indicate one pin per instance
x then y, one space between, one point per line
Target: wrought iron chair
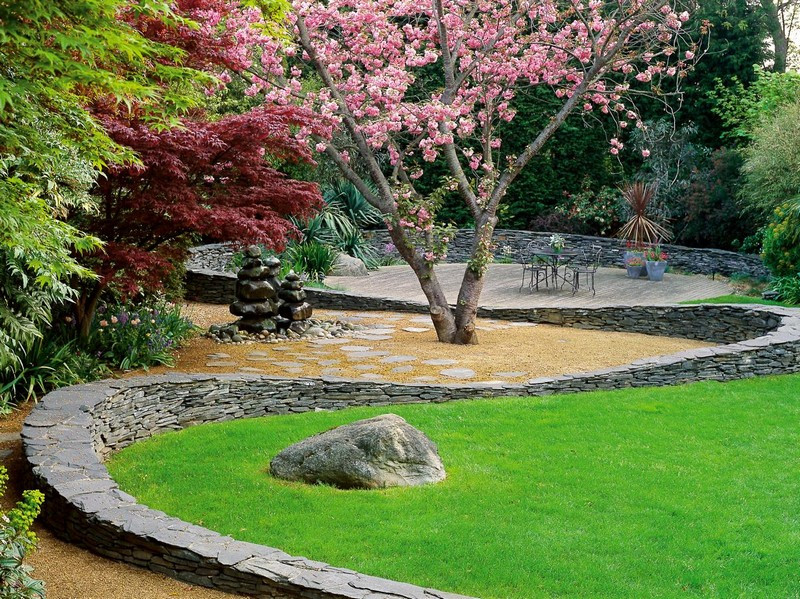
587 267
539 271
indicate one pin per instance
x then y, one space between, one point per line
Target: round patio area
502 287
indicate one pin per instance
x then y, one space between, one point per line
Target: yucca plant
355 245
640 228
348 200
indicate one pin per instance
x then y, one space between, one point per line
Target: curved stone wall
705 261
69 433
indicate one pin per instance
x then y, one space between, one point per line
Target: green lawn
739 299
666 492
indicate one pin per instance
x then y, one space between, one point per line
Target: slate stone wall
208 281
69 433
695 260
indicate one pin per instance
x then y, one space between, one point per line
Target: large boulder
379 452
348 266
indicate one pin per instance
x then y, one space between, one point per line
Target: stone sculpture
256 293
293 299
379 452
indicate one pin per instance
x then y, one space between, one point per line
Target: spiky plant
640 228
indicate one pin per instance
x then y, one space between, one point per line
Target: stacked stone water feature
263 303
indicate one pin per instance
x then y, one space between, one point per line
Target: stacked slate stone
257 289
294 309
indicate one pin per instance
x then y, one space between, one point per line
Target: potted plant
656 263
634 265
557 243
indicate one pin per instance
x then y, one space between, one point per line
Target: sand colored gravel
506 351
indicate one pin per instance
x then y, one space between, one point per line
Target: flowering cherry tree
402 83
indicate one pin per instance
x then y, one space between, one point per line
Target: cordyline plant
640 228
373 63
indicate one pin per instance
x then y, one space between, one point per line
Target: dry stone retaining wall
72 430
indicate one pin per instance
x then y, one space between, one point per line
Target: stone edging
69 433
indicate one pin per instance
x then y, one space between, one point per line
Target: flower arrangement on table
557 242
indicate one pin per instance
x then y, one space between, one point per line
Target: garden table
555 260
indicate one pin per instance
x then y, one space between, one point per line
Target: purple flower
122 317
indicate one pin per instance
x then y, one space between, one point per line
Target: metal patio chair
539 271
587 266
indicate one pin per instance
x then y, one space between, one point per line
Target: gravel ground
504 349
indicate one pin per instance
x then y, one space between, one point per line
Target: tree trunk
441 313
85 308
777 33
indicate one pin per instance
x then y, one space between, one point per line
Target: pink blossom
645 153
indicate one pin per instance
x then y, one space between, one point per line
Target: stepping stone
367 337
289 364
218 356
523 324
5 453
257 353
395 359
221 364
321 353
331 371
329 341
424 379
393 318
380 331
422 319
258 359
416 329
328 362
355 348
9 437
373 376
361 355
306 358
458 373
249 369
440 362
365 367
366 315
509 375
293 370
282 349
402 369
563 341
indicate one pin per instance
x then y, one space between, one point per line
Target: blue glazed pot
655 270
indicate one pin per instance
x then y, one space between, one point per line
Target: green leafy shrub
138 336
314 259
16 541
594 212
781 244
50 363
788 288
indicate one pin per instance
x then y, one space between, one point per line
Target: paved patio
503 282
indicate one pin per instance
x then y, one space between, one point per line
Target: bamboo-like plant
640 228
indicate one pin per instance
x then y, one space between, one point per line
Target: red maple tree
216 179
207 178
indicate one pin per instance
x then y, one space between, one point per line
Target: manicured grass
739 299
670 492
